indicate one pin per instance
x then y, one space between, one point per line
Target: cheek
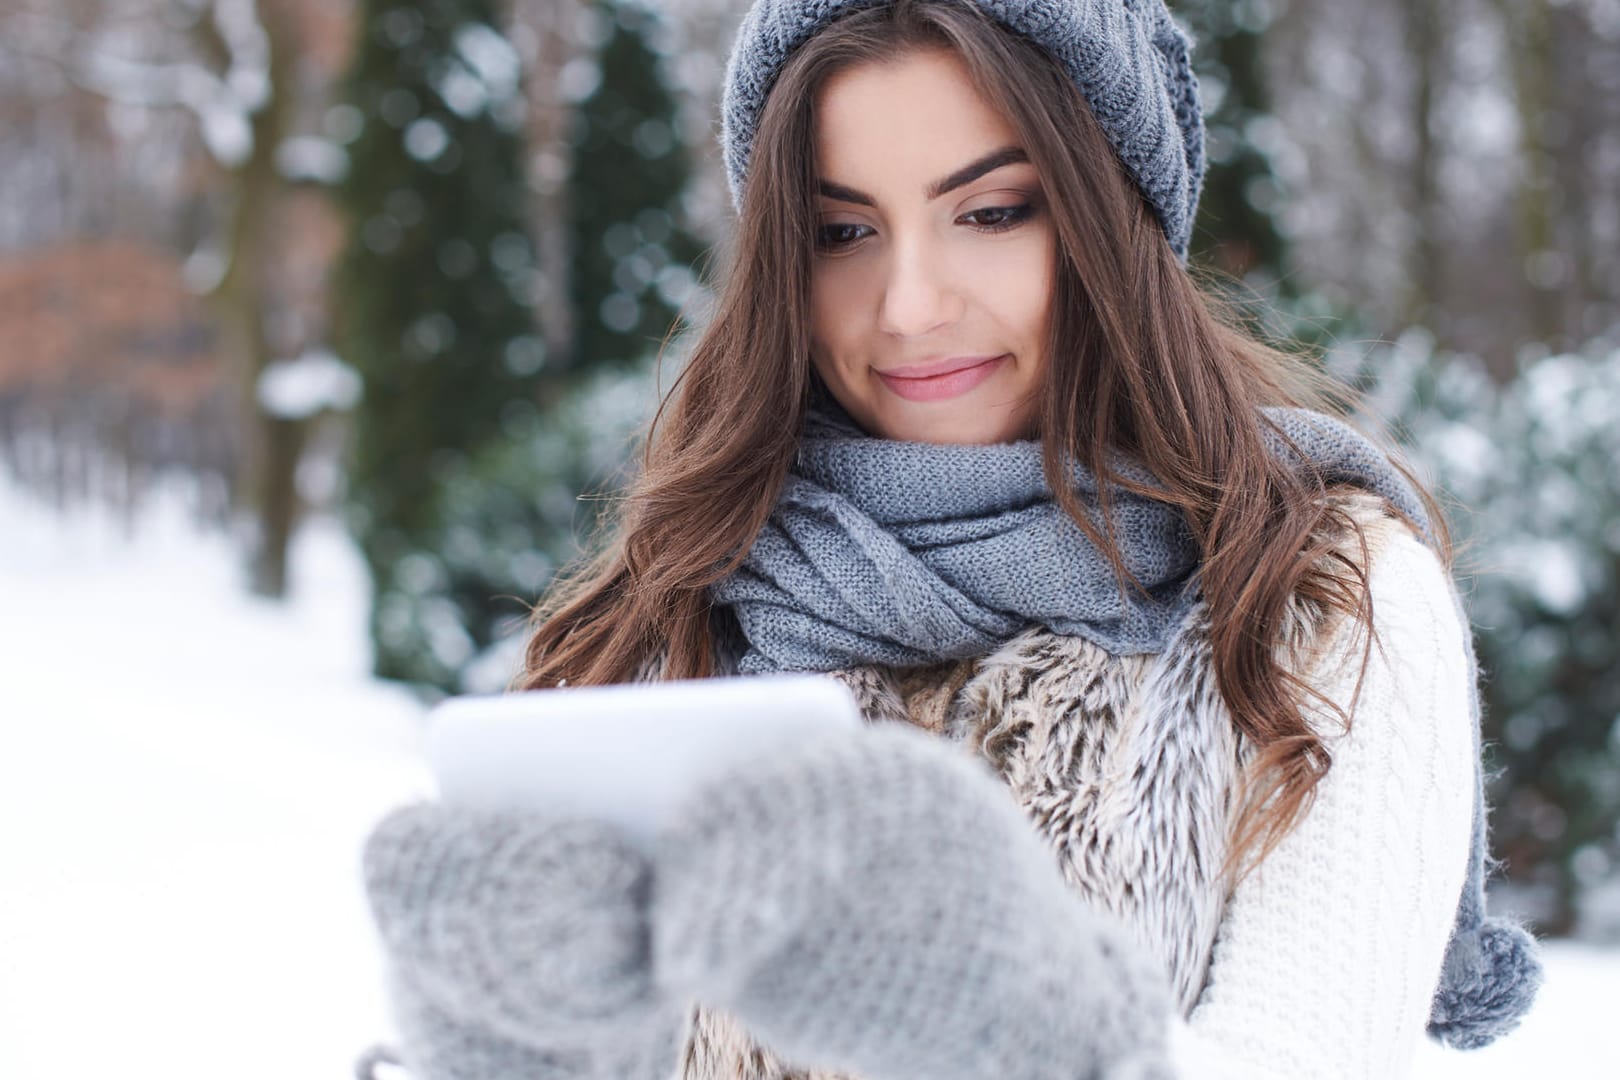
841 333
1009 281
836 304
825 351
1015 283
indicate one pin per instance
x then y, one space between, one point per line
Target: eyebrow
968 173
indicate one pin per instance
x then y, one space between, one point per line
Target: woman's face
932 279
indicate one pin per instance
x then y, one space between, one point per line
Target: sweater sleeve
1329 952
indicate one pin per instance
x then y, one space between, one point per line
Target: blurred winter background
317 318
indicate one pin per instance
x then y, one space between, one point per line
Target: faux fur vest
1126 764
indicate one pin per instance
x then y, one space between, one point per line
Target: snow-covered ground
187 777
186 780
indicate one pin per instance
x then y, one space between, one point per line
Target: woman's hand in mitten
518 945
875 902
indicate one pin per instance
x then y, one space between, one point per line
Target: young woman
964 432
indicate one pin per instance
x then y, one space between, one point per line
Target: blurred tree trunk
1236 230
1585 157
266 481
1426 277
1528 27
555 35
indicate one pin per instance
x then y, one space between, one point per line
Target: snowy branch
222 103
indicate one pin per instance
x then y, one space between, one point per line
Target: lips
940 379
930 368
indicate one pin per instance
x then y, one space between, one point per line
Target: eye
834 236
1000 218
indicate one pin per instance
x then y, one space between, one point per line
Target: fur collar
1127 765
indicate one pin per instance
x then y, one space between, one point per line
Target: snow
579 79
1565 1034
311 382
489 72
1553 571
223 107
203 270
312 158
426 139
491 56
189 774
226 131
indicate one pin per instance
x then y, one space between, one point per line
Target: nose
917 295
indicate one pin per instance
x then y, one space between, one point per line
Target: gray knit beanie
1128 57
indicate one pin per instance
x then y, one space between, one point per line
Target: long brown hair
1144 362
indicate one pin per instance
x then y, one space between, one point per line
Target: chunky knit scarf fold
904 554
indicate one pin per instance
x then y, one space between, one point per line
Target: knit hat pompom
1128 57
1491 976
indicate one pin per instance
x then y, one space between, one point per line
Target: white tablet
627 753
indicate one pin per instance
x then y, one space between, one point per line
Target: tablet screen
624 753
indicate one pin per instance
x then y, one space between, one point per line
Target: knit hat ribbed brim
1128 57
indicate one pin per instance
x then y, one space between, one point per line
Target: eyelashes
837 236
1010 217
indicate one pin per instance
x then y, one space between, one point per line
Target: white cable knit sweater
1322 963
1328 955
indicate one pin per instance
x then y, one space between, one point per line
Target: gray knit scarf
903 553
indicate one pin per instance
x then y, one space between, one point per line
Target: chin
963 424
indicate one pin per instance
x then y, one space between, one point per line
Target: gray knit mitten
874 902
518 946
